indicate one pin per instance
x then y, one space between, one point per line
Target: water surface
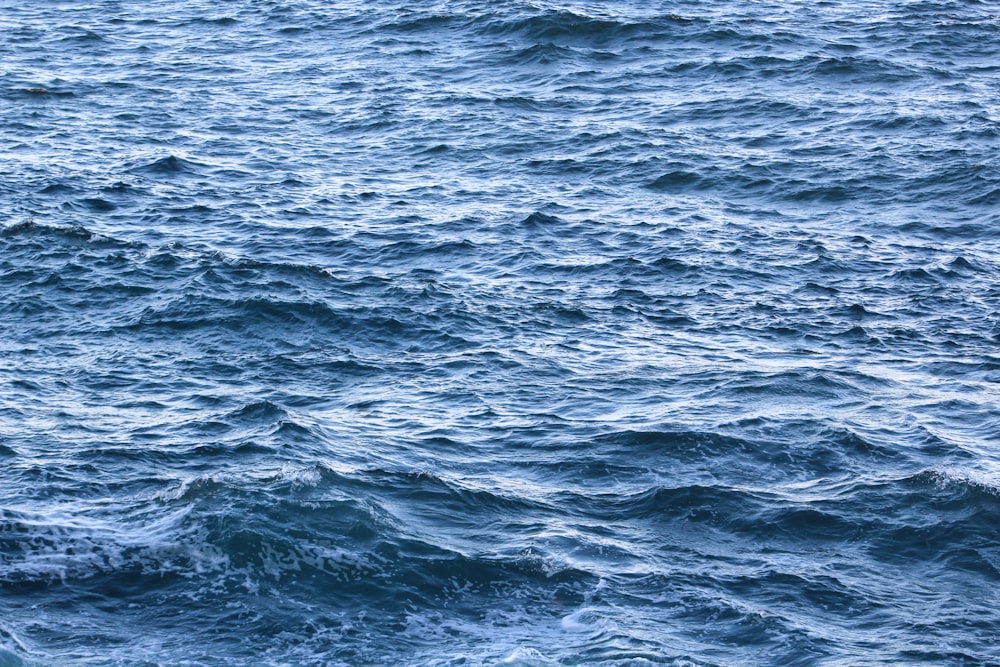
526 333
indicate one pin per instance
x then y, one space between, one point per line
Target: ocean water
510 333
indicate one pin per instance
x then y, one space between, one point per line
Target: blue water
508 333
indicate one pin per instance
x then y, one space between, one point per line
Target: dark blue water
520 333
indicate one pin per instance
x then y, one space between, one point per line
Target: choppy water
520 333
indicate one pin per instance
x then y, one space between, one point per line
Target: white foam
581 620
526 657
301 477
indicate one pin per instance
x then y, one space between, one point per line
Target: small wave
257 412
676 181
97 205
418 22
457 501
224 21
860 68
914 275
57 188
84 35
565 26
717 505
542 222
539 54
29 228
167 165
